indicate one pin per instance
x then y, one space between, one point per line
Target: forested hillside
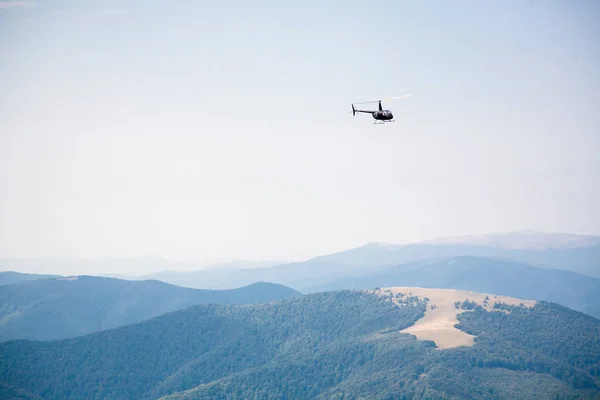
49 309
337 345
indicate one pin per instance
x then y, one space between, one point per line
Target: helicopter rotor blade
368 102
398 97
388 99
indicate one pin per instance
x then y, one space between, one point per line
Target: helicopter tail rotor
353 110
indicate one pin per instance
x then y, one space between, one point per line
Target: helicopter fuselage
383 115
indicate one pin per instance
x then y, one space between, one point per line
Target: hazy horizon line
209 262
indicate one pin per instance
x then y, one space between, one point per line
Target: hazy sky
221 129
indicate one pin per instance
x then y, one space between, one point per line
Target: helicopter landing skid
383 122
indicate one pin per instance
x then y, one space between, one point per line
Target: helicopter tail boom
354 111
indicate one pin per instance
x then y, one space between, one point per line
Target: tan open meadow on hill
441 315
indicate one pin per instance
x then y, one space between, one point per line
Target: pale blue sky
221 129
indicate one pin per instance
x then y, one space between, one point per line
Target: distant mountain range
335 345
137 267
58 308
583 259
523 240
571 252
575 253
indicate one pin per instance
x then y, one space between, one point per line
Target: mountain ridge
50 309
487 275
10 277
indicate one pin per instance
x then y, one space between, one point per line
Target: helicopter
381 116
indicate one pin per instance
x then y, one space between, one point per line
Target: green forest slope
337 345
